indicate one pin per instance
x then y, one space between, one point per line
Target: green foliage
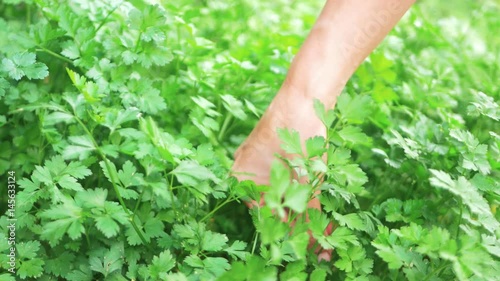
24 64
120 119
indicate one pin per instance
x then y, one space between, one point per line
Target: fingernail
324 256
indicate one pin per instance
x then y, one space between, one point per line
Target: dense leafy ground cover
119 120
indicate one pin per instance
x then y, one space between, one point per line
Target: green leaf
350 173
237 250
290 141
294 272
354 110
69 182
162 263
254 269
338 156
4 85
70 50
297 196
354 260
205 154
80 146
351 221
382 94
299 243
484 105
271 228
315 146
473 155
234 106
151 102
61 265
91 198
383 67
193 261
65 218
190 173
24 64
213 266
31 268
252 108
279 182
116 117
151 129
128 175
469 195
326 116
155 55
109 261
84 273
43 175
152 228
318 275
7 277
354 135
213 242
391 257
318 222
216 266
435 241
342 237
109 171
387 248
28 250
89 89
107 226
58 117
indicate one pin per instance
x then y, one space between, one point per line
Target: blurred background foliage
205 71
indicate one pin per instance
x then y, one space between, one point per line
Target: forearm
343 36
345 33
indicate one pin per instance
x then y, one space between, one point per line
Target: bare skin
345 33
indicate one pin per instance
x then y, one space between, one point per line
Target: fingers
252 204
258 171
325 255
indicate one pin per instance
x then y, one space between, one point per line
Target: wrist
293 108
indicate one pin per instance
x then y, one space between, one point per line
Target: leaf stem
137 42
107 16
228 200
433 273
171 191
339 120
113 182
106 163
459 219
255 242
138 202
87 238
222 131
45 50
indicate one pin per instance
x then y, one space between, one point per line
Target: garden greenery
120 119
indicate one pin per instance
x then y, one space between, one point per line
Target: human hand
254 157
